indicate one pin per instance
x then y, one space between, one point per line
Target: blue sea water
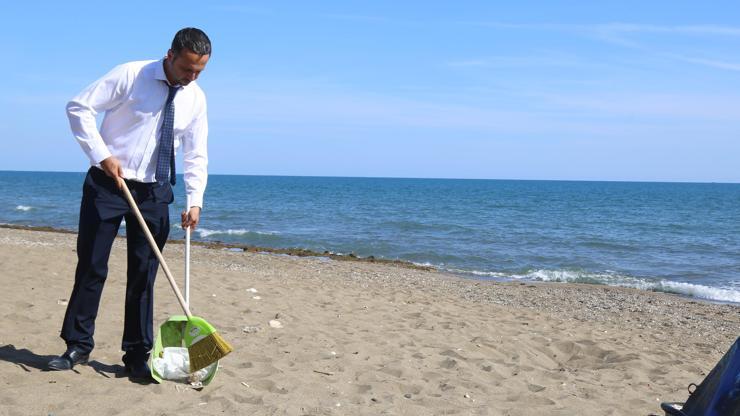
674 237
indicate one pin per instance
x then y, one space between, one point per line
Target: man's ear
170 55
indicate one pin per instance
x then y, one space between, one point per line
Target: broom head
205 345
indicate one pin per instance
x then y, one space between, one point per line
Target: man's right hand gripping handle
112 167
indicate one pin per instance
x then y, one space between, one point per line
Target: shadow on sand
28 360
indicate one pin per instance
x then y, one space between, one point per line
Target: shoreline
622 298
361 338
300 252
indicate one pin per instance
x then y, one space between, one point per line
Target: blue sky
470 89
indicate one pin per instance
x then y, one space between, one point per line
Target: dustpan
175 332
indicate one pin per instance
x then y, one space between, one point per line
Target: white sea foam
478 273
700 291
204 232
717 294
23 208
616 279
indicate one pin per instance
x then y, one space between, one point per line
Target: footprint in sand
448 363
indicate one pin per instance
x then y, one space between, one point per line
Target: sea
681 238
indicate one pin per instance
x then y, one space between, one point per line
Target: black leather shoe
68 360
137 369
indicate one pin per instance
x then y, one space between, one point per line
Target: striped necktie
166 154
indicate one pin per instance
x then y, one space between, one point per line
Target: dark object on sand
718 394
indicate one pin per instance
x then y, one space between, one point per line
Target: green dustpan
179 331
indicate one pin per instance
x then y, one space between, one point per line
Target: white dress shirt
132 96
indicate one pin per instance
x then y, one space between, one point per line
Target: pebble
256 297
251 329
252 290
274 323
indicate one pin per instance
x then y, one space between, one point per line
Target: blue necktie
166 155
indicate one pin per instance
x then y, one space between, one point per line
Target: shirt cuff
196 200
99 154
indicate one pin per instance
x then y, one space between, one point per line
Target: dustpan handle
187 254
155 248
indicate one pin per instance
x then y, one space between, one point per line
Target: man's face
185 66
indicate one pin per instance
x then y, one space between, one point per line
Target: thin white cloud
626 35
356 17
713 63
701 30
617 27
531 60
658 107
239 8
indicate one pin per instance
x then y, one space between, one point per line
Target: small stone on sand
274 323
251 329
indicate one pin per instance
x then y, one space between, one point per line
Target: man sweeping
151 108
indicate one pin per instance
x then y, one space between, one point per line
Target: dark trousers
102 208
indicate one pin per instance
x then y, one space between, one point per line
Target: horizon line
423 178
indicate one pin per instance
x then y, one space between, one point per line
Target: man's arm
195 158
101 95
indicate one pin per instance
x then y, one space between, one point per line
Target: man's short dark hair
192 39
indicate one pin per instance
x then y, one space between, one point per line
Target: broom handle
187 254
155 248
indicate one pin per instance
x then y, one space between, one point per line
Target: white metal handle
187 254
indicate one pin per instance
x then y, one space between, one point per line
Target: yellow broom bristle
207 351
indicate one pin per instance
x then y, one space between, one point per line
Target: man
151 108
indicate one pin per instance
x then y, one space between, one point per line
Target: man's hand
112 167
191 218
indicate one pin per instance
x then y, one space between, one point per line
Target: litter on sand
175 364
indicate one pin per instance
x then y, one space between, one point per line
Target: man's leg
101 212
138 336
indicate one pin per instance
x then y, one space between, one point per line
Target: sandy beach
359 338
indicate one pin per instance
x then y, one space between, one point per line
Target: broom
205 345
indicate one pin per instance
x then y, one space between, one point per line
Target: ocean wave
23 208
616 279
204 232
477 272
716 294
